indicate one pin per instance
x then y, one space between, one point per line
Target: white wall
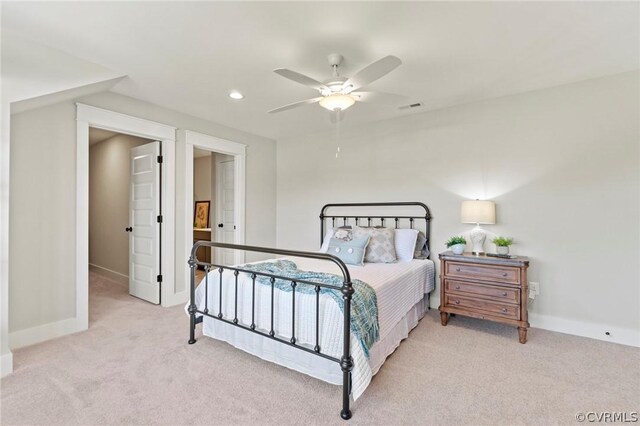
109 186
43 157
562 165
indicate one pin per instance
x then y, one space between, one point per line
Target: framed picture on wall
201 214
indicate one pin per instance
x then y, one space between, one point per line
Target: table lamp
478 212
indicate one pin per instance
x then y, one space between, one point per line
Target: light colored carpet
134 366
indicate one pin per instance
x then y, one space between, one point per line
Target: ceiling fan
339 93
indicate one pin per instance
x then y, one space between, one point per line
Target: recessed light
234 94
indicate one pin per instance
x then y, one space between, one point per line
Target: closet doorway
124 213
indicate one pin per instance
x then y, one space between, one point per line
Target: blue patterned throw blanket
364 315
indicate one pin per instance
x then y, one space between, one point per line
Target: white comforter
398 287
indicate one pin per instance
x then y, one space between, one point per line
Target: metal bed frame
346 361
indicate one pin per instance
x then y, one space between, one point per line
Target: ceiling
99 135
187 56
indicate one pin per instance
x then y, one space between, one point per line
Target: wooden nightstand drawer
503 294
502 274
494 308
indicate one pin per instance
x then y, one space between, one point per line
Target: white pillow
405 243
327 239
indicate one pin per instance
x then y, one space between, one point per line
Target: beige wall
42 217
202 181
109 180
562 165
43 199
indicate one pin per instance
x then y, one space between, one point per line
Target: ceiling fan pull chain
337 138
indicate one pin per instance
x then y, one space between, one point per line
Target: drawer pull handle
504 294
504 310
457 269
457 302
504 274
457 287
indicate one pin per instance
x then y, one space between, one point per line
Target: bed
306 321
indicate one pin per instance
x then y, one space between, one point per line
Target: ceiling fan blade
296 105
301 78
380 98
372 72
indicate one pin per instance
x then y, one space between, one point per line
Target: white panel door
225 197
144 229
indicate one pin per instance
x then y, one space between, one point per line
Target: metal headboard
397 219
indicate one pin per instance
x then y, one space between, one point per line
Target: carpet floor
134 366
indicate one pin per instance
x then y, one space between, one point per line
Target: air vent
415 105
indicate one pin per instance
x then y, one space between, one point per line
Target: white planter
457 249
502 250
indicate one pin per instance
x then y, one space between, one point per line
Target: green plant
502 241
455 240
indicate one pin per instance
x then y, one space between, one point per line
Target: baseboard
6 364
31 336
434 300
108 273
623 336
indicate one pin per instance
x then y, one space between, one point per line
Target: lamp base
478 235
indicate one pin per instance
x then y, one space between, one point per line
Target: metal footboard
345 362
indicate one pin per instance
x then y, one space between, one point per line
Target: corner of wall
6 364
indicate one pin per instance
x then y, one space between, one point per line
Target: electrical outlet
535 287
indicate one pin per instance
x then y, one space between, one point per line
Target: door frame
221 146
90 116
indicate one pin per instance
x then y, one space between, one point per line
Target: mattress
400 289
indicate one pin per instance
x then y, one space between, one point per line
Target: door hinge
159 278
159 219
160 159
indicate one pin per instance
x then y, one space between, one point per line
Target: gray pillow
381 248
421 251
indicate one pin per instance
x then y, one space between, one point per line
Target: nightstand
484 287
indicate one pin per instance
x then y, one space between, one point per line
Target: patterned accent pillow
344 233
381 248
330 234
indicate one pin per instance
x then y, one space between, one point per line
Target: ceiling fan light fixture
338 102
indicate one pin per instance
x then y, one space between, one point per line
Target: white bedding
400 289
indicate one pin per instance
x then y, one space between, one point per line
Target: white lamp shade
337 102
478 211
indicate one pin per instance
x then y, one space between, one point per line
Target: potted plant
502 244
456 244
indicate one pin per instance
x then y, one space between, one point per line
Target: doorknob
220 225
129 229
